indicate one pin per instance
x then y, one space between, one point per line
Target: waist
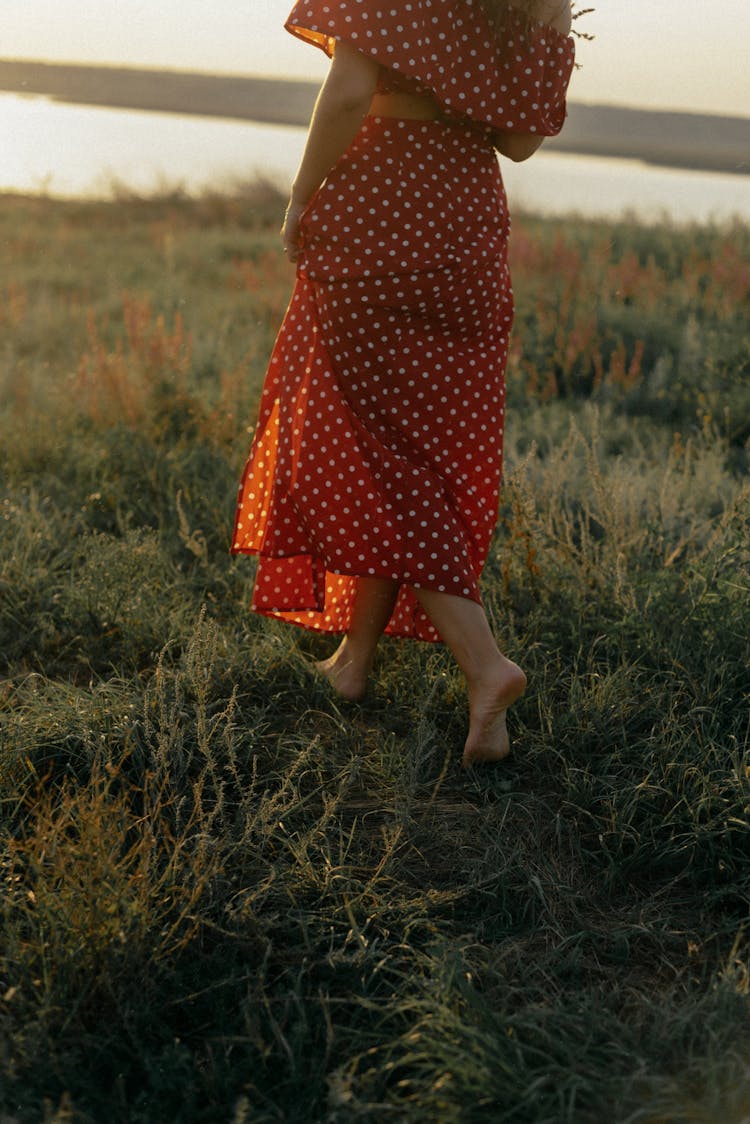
414 107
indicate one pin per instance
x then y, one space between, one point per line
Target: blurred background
658 123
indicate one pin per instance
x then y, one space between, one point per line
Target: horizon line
313 82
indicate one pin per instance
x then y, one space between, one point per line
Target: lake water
81 151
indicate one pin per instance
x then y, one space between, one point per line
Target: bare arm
339 112
520 146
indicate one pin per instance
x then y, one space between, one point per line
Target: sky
655 54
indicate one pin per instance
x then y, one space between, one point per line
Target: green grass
226 896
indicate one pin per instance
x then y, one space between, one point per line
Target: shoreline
689 141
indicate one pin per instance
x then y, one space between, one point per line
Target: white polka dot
384 395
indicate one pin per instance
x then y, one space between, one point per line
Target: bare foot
489 699
347 675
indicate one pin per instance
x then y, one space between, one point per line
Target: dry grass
228 897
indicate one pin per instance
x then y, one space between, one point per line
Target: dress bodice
515 80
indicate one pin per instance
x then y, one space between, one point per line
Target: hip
408 194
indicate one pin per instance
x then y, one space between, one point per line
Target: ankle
346 673
355 653
498 675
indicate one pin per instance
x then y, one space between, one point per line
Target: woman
370 494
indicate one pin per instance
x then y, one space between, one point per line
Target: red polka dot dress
378 448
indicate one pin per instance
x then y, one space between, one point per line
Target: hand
516 146
290 231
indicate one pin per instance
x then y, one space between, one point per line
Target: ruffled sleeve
517 82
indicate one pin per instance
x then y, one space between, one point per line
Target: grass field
227 897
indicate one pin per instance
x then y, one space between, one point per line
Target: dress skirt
378 448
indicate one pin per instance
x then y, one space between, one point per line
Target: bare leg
349 667
493 681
